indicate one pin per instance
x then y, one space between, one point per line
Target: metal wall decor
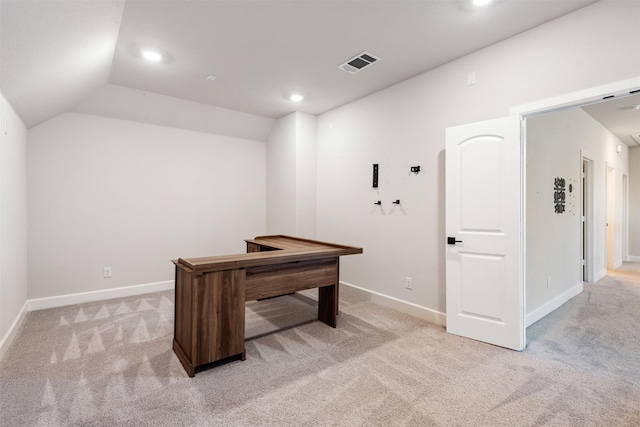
375 175
559 195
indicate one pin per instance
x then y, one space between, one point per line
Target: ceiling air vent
358 62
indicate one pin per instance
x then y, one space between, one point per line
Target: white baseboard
79 298
600 275
104 294
633 258
617 264
13 329
552 305
412 309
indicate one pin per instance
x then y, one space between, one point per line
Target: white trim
552 305
522 259
409 308
633 258
617 264
578 98
600 275
609 214
625 216
412 309
104 294
13 329
588 214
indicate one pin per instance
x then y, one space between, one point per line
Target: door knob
453 241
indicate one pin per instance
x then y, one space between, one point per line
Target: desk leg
328 304
328 297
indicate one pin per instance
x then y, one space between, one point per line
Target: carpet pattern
111 363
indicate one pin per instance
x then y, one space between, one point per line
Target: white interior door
484 209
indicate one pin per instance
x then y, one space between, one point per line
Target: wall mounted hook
397 202
379 203
415 169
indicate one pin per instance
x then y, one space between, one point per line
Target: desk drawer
281 279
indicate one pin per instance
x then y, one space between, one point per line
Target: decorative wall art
559 196
571 197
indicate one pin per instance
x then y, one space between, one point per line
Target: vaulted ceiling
54 54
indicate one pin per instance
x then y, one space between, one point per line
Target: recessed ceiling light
296 97
211 77
150 55
632 108
481 2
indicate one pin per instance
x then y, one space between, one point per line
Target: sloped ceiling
57 53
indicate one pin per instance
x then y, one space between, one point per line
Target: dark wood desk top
287 249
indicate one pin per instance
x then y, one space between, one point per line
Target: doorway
610 216
625 217
550 280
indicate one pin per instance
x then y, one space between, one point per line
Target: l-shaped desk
210 292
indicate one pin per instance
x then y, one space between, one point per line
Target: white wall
281 177
404 126
112 193
13 220
306 174
555 145
634 204
291 176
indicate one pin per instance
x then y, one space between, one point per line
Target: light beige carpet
110 363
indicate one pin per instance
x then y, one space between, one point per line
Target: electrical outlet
471 78
107 272
408 282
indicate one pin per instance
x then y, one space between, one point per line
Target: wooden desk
210 292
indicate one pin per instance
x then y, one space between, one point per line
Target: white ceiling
56 53
616 116
263 50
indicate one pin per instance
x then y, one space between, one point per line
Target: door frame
579 98
586 210
610 215
625 217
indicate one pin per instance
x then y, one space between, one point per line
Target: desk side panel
183 310
281 279
220 315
